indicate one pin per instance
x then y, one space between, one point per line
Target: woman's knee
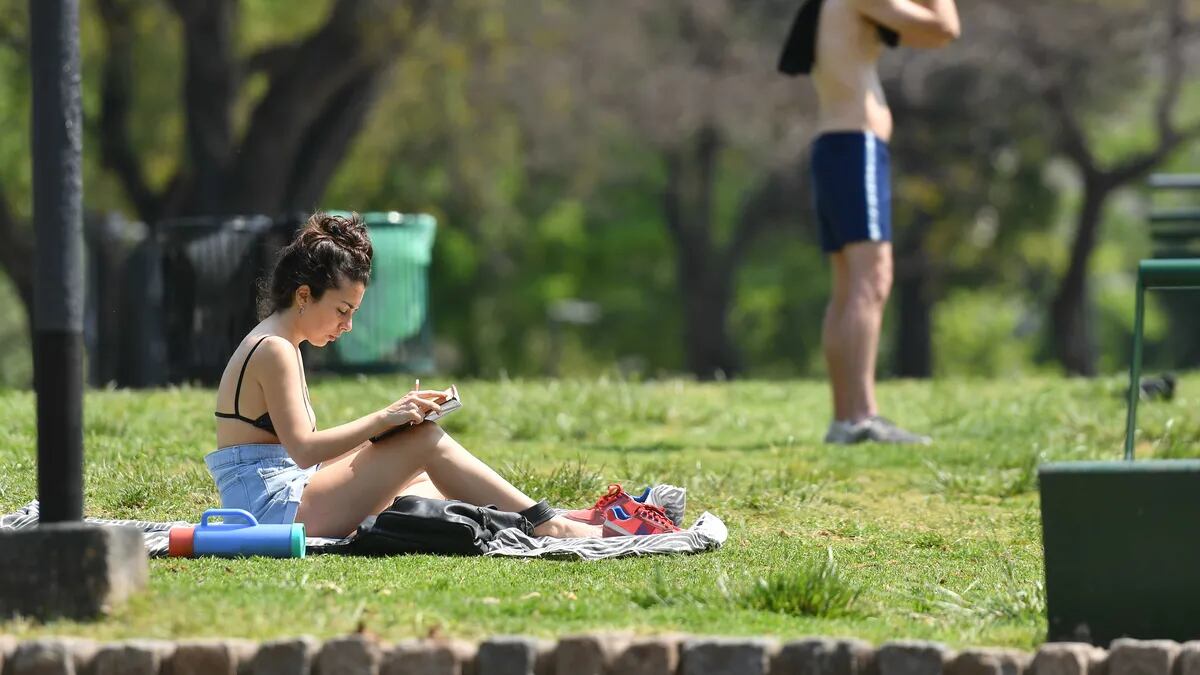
423 438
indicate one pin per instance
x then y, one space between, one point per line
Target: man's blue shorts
852 189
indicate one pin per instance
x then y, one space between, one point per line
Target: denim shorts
260 478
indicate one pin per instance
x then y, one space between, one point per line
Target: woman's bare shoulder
260 351
270 350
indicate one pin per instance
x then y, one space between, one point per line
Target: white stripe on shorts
872 189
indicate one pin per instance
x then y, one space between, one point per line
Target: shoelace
656 515
614 493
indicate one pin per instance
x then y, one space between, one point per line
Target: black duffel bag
446 527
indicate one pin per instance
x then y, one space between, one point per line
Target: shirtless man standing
852 189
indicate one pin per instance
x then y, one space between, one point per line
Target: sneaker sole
612 527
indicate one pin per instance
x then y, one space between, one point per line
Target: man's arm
928 24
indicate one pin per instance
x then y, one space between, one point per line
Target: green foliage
781 296
16 360
980 333
545 190
1008 598
570 482
813 588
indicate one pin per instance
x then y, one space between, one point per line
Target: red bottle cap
179 541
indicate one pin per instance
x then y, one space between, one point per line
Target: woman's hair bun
328 250
347 232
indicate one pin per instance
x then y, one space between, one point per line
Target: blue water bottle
232 539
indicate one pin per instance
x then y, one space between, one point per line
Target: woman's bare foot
565 528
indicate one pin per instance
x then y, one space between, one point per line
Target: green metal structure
1121 552
1175 227
1178 274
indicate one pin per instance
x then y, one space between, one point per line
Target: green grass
876 542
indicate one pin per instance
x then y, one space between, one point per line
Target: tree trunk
1070 311
705 276
914 337
210 82
329 139
914 311
707 291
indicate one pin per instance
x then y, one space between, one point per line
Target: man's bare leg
831 328
862 280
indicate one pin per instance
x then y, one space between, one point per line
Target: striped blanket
707 533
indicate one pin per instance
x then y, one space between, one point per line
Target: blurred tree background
645 156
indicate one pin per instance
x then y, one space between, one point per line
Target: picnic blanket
707 533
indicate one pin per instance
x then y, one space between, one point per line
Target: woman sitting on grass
274 462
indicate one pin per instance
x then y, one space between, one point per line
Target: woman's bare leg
365 481
421 486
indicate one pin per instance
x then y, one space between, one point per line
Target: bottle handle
227 514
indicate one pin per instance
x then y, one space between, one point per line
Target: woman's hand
413 408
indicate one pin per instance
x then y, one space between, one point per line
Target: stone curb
585 654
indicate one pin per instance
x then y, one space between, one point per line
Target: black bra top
263 421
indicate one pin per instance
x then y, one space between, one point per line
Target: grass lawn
939 543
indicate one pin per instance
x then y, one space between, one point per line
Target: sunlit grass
941 542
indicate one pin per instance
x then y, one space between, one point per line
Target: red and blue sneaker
644 519
616 497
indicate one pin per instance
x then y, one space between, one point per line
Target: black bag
425 525
800 51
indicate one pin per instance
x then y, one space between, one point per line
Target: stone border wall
600 654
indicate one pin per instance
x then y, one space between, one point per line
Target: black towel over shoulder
800 51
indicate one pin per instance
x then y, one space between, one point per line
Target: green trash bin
392 330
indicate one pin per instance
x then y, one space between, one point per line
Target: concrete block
989 662
1142 657
544 663
51 656
1188 661
351 655
1064 658
508 655
8 644
69 570
649 656
466 653
907 657
205 657
726 656
285 657
134 657
803 657
243 654
825 656
590 654
428 657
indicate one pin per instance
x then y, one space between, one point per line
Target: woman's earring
301 309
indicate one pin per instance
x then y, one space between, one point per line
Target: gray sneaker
872 430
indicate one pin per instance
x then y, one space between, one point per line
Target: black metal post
58 287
